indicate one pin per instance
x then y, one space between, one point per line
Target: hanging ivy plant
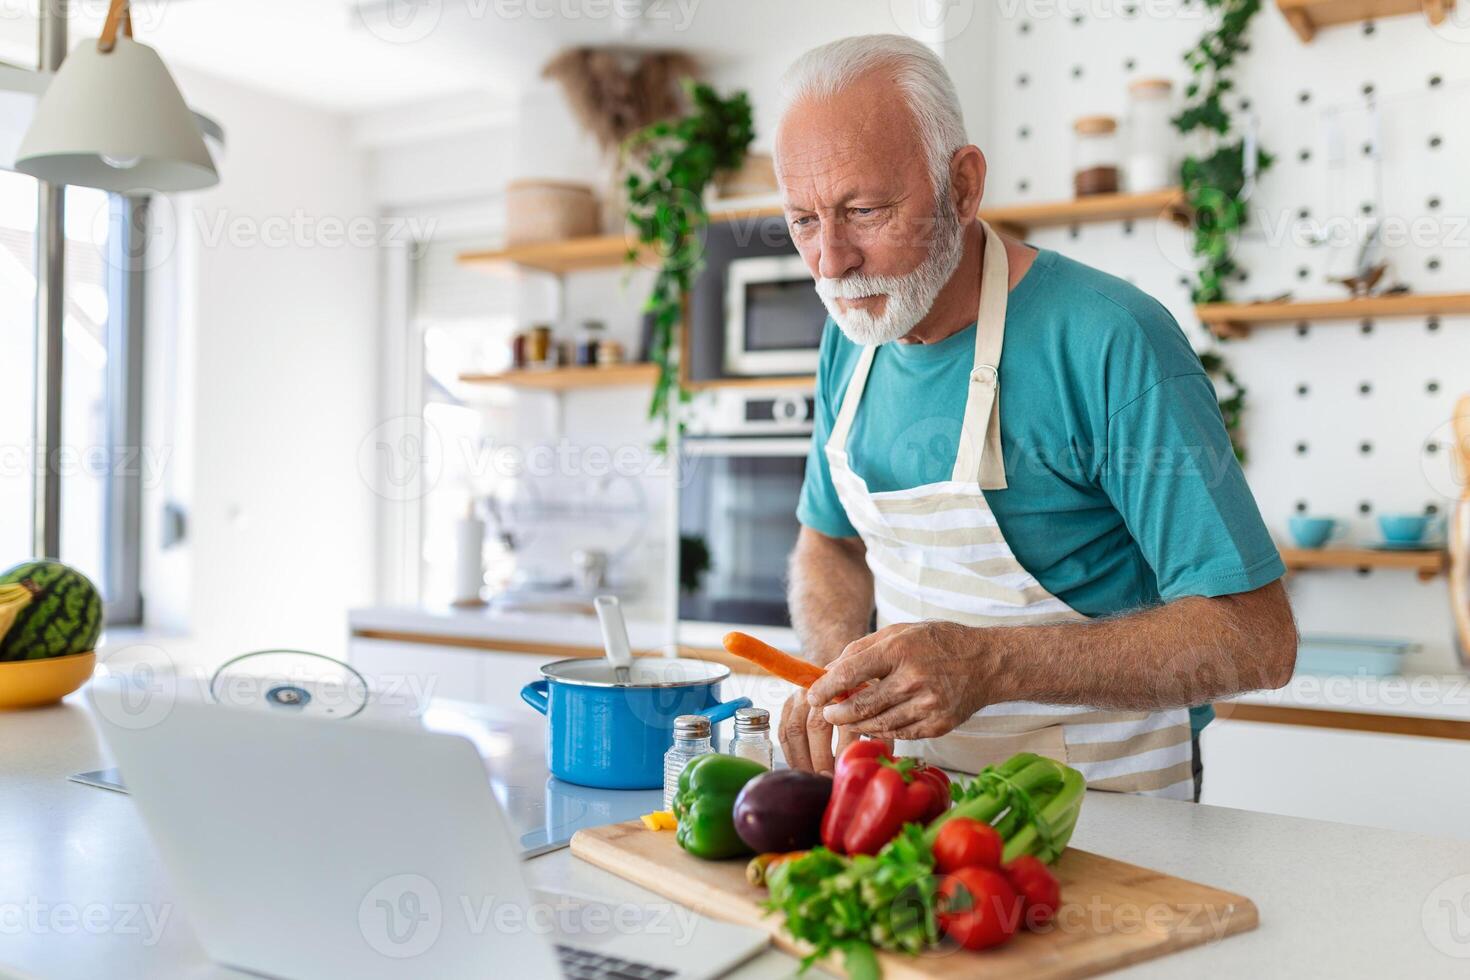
675 160
1216 185
1232 403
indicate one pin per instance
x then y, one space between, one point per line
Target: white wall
275 358
1073 68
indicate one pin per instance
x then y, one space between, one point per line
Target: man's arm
931 676
831 598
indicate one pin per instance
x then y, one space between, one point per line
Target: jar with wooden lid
1150 161
1095 156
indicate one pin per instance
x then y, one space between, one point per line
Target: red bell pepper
875 794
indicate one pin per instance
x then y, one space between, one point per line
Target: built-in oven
741 468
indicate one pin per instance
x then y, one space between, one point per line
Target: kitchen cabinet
1400 782
431 670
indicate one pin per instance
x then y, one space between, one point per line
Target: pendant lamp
113 118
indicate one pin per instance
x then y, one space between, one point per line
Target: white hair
823 72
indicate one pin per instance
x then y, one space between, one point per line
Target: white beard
909 297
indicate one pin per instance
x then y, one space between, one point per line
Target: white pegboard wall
1340 412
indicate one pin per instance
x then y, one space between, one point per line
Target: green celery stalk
1037 776
1059 815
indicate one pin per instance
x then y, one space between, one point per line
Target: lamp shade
116 120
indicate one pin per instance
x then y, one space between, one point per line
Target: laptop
311 848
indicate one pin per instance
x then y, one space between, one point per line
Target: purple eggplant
782 810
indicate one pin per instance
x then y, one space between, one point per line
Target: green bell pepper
705 804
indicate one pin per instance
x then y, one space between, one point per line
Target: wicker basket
548 211
757 175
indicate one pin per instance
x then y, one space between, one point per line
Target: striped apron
936 552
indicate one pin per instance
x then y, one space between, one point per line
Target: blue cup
1311 532
612 735
1403 528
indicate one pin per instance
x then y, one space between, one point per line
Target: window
17 363
98 458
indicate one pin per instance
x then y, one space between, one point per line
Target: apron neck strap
980 457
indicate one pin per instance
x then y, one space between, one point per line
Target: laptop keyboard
584 964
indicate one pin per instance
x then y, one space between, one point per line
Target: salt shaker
691 740
753 736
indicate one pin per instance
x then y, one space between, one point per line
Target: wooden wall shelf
1237 319
569 378
1426 563
1018 219
609 251
1306 17
795 381
572 255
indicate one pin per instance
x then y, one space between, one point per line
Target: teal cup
1403 528
1311 532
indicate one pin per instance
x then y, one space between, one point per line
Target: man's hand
806 737
923 679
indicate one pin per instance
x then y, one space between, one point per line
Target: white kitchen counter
1420 696
1335 900
561 628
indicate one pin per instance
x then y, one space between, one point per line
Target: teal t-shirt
1122 487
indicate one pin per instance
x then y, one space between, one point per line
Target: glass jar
587 342
691 740
1095 156
1150 165
753 736
538 346
609 352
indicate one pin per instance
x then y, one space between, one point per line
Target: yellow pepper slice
659 820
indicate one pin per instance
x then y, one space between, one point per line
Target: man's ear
967 181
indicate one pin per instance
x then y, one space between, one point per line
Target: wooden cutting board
1112 914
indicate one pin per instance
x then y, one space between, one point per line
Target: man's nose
838 256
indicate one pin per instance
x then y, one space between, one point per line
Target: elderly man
1040 497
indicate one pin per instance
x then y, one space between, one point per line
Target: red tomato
966 843
978 908
1040 893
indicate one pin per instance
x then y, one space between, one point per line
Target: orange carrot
783 665
768 658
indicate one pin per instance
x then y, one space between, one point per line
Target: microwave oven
773 317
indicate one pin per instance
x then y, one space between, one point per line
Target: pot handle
534 694
717 713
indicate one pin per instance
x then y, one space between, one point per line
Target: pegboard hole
1365 508
1432 387
1303 391
1366 327
1366 388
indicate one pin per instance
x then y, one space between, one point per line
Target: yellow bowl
31 683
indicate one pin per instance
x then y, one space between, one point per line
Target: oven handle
793 446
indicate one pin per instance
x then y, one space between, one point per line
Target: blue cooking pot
613 735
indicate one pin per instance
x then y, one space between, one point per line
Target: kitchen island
82 894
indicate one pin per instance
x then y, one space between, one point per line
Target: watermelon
62 615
